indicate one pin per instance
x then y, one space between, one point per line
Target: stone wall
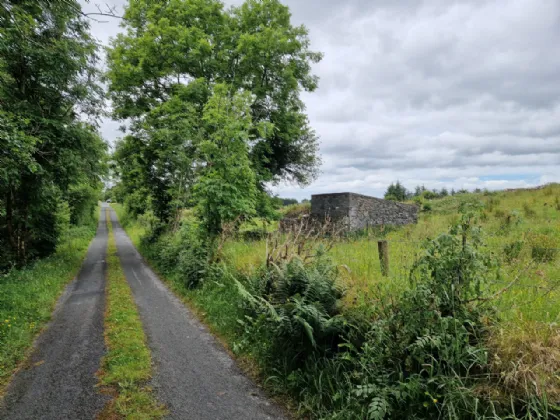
360 211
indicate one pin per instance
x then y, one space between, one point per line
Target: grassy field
28 296
535 296
521 232
127 366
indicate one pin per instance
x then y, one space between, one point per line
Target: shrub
418 355
543 248
427 207
528 211
512 250
294 309
419 201
429 195
510 220
492 203
185 253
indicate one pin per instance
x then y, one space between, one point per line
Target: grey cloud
437 92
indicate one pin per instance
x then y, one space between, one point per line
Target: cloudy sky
456 94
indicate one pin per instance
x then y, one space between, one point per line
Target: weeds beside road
28 296
445 347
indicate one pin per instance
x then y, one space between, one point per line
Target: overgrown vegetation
448 335
28 296
126 367
312 311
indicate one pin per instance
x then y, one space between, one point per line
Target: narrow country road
194 376
58 381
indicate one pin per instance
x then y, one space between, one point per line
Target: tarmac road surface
58 380
194 376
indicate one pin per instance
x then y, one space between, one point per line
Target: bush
512 250
419 355
528 211
543 248
509 220
429 195
294 310
419 201
185 253
427 206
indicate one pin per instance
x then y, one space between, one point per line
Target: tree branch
110 11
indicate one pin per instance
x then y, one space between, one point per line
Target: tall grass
28 296
535 295
516 352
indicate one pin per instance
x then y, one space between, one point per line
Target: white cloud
440 92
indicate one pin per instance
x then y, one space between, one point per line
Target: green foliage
126 366
184 253
296 210
396 192
163 72
528 211
509 220
492 203
453 266
429 195
48 80
289 201
28 295
426 206
512 250
296 307
419 353
543 247
413 357
226 189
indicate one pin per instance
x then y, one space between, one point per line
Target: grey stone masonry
360 211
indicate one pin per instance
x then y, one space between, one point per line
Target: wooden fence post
383 249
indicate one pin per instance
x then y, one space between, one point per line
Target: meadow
512 221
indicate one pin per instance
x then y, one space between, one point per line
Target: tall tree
396 192
48 154
163 70
226 189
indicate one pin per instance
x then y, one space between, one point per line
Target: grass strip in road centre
126 368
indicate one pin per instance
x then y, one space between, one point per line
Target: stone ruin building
361 211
